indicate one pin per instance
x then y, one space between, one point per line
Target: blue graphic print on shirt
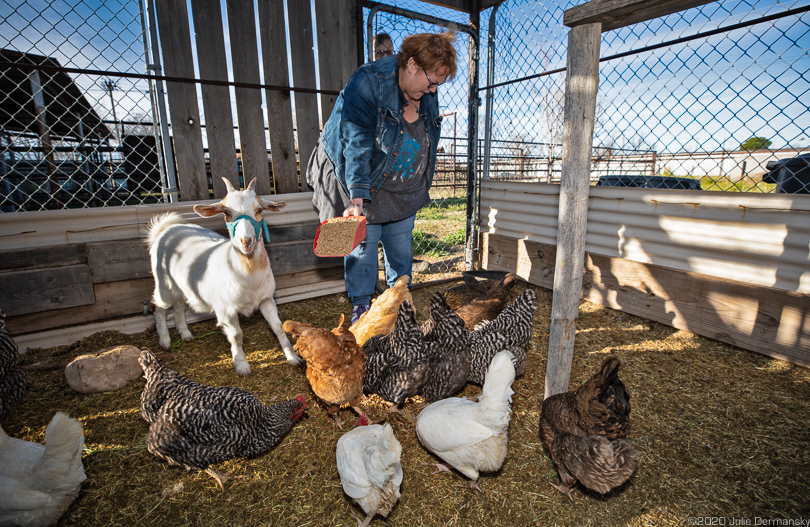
404 168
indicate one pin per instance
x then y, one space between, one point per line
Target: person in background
383 46
377 153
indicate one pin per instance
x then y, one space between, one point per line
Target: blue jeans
361 264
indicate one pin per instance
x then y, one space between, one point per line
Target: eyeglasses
383 52
430 82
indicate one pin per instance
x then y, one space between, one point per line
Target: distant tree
755 143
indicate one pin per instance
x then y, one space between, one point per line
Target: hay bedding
721 432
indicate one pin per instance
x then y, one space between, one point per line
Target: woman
376 156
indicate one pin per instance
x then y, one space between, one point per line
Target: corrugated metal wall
758 239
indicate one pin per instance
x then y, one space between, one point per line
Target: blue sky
714 93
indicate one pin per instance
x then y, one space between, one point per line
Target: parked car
792 176
683 183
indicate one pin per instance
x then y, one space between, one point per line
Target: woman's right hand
355 209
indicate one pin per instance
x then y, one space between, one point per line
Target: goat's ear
275 206
206 211
228 184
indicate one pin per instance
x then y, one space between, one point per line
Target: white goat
196 266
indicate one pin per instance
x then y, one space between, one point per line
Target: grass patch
725 184
425 243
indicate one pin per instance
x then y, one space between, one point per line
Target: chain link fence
74 132
715 98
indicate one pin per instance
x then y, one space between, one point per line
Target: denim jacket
364 134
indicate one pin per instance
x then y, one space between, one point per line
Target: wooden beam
762 319
245 59
614 14
216 99
120 260
55 255
49 288
279 103
38 96
581 86
175 42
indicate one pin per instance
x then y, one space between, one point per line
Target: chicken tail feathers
599 464
61 464
385 466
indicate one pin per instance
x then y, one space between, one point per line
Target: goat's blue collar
258 225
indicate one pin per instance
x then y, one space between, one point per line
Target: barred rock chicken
584 431
369 468
397 364
481 301
472 436
335 364
195 426
12 379
381 316
511 330
39 482
448 346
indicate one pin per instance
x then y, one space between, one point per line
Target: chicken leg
221 478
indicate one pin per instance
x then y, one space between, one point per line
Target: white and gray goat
212 274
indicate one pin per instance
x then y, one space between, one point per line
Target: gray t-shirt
404 192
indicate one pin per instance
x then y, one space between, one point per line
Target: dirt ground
723 436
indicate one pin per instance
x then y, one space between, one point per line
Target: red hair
430 51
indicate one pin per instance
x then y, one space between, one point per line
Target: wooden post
44 134
216 99
279 104
581 86
245 58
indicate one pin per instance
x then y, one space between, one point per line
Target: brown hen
584 431
335 364
382 315
481 301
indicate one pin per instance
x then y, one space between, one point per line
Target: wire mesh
709 98
80 138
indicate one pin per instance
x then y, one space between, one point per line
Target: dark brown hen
448 345
465 293
195 426
481 301
585 431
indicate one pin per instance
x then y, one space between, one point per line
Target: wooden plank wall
766 320
285 126
51 287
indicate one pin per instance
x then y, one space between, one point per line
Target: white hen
38 482
472 436
369 468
